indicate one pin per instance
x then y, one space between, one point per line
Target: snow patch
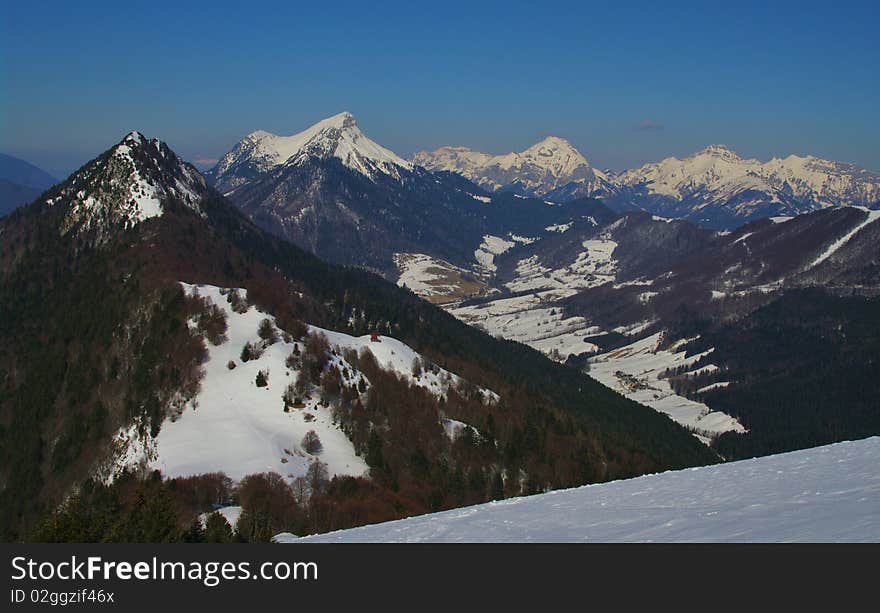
489 248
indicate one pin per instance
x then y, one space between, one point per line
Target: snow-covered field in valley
435 280
594 266
825 494
527 319
635 371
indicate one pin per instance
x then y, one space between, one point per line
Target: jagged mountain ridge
333 191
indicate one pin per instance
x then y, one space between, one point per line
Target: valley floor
825 494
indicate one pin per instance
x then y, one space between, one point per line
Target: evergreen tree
262 379
195 533
217 529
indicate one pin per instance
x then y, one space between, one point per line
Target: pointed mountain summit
555 154
719 151
133 181
338 137
552 168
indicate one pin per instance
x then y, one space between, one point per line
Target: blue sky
627 83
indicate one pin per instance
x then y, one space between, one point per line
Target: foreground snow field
826 494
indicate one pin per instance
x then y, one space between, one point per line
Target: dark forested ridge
94 337
805 370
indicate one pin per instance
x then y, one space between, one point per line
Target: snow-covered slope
532 319
550 166
337 136
594 265
238 428
434 279
825 494
231 514
716 185
130 183
488 249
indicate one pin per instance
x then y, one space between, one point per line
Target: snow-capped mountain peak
338 136
548 168
131 182
719 151
134 137
555 154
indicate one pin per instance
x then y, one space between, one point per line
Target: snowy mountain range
714 187
333 191
630 296
717 188
551 169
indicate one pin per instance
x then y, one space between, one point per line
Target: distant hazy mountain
552 168
20 183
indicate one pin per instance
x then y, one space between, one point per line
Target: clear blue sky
764 78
